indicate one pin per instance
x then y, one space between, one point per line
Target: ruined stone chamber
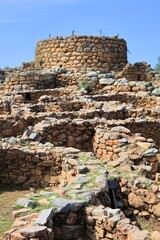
82 53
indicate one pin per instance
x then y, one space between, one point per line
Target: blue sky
24 22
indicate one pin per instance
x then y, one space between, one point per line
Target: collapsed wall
140 71
82 53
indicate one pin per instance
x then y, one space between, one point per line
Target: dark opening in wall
28 96
138 77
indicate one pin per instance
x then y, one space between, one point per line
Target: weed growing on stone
84 157
85 85
17 207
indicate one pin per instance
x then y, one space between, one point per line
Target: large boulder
65 205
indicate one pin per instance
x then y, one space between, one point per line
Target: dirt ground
8 197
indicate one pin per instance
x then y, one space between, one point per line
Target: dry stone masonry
79 127
82 53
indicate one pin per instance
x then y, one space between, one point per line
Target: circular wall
82 53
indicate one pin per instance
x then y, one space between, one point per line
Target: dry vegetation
8 197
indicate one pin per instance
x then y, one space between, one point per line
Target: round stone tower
82 53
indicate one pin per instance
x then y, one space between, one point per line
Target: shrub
85 85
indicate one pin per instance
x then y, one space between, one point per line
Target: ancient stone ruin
82 124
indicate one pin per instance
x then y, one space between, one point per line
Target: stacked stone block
137 72
28 80
82 53
30 167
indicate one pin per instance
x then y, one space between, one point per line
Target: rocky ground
88 150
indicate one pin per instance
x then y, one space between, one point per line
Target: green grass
149 225
48 198
5 224
8 197
17 207
39 208
83 157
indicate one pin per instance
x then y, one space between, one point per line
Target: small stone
99 211
12 140
150 152
123 140
157 210
33 135
44 217
92 74
82 169
120 129
136 234
106 81
124 181
25 202
155 235
155 188
136 201
114 163
17 236
140 139
144 145
156 92
18 212
144 214
33 231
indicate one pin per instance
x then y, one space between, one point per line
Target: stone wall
36 94
137 72
129 98
82 53
71 220
11 127
141 196
28 80
120 145
147 129
77 133
30 166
